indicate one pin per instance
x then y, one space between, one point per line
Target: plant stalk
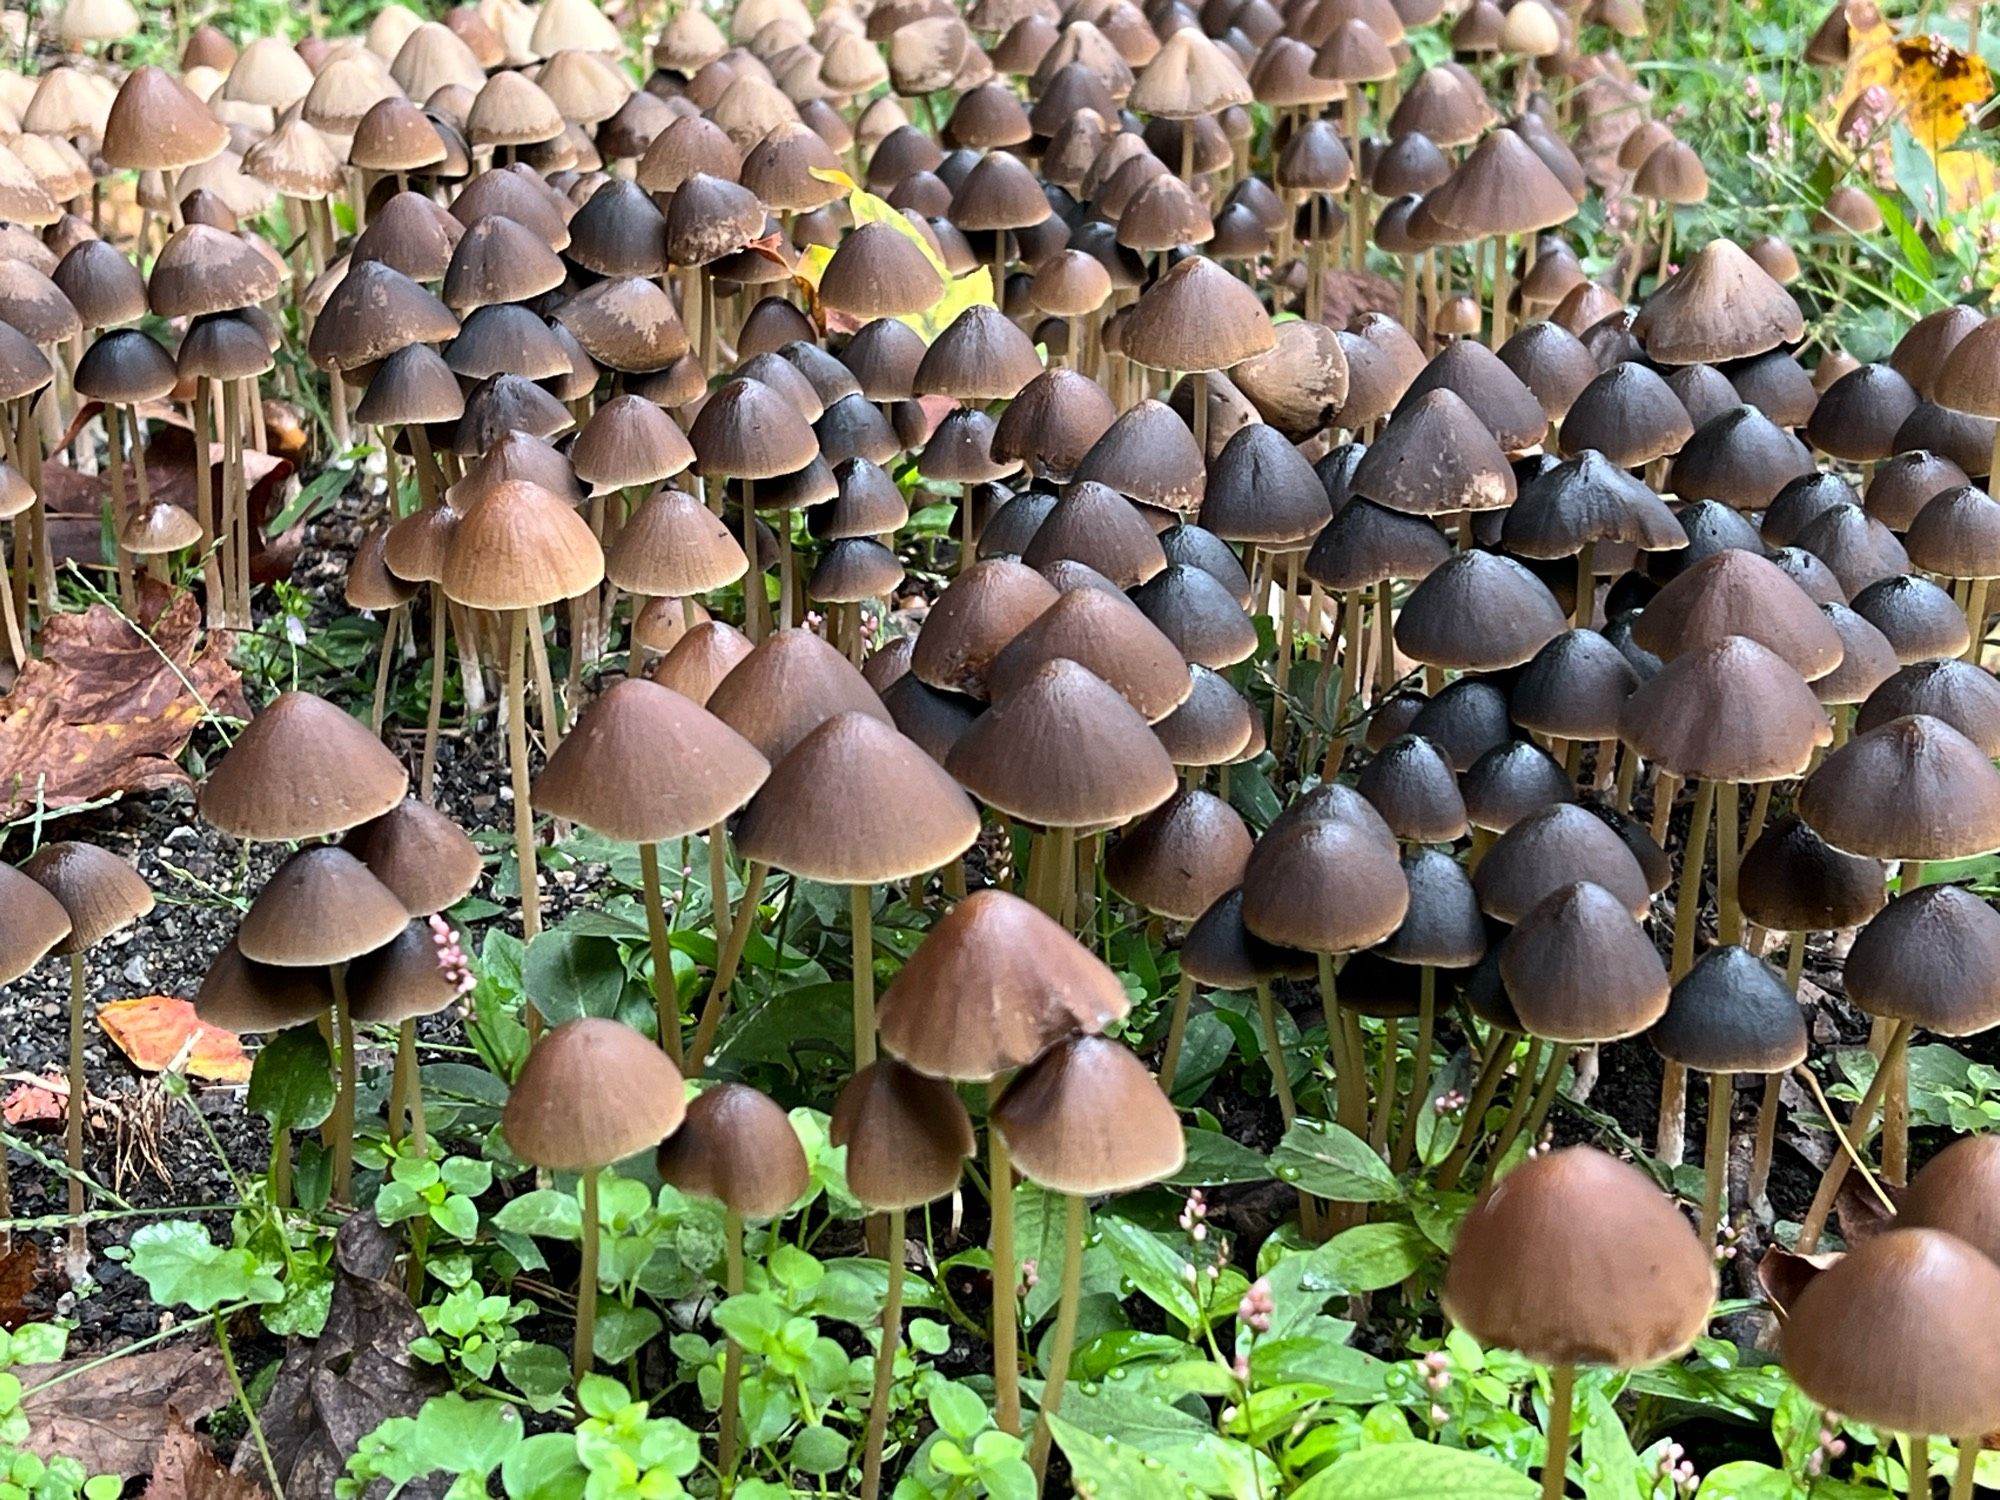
887 1342
1063 1344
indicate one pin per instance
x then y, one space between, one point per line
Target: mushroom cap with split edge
592 1092
990 987
36 922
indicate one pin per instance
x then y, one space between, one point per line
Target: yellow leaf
968 290
1934 91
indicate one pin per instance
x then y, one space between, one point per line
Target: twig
1833 1122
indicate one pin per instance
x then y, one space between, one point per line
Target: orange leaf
37 1103
156 1030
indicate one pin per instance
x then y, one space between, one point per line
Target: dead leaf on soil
1783 1274
37 1101
20 1269
333 1390
156 1031
106 708
186 1469
1860 1214
114 1417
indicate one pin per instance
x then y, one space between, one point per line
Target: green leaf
180 1264
623 1331
1611 1469
311 499
1745 1480
544 1467
601 1396
957 1410
928 1336
1214 1160
1369 1257
457 1216
291 1083
546 1212
1417 1471
466 1174
819 1450
538 1371
1158 1272
466 1437
1330 1162
1101 1469
567 975
37 1344
1318 1354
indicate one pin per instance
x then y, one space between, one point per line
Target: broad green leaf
1416 1471
180 1264
1214 1160
544 1467
567 975
1319 1355
1369 1257
538 1371
291 1083
623 1331
466 1437
957 1410
1160 1274
1330 1162
1102 1469
1745 1480
546 1212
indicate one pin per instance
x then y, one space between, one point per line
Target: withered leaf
186 1469
106 708
113 1418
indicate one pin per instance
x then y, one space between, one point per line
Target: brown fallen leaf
187 1469
106 708
1860 1214
20 1269
37 1101
334 1390
1783 1274
157 1031
113 1417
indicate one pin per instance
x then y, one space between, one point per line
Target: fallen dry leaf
334 1390
186 1469
37 1101
155 1030
107 709
1783 1274
113 1417
1935 90
20 1269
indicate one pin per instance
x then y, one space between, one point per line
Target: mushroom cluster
1062 470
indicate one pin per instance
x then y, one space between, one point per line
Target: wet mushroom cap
907 1136
737 1146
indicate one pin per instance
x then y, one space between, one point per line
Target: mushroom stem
1760 809
1288 596
1006 1276
343 1101
79 1235
382 668
586 1283
1671 1132
1586 587
1350 1083
517 756
1281 1083
1814 1223
204 509
1968 1462
1628 773
1420 1077
1729 914
1499 1053
732 1357
886 1344
754 602
666 997
1918 1447
1385 634
1199 410
725 968
434 713
1170 1059
410 1079
1350 668
1666 786
1767 1135
114 432
1063 1343
718 881
1555 1461
1545 1095
1795 961
1715 1160
861 921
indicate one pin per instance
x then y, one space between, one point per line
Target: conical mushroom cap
1197 317
991 987
644 764
101 893
1478 612
1732 1013
1549 849
1722 305
240 996
674 546
1731 711
1574 688
1325 877
738 1147
878 271
301 769
320 907
1109 636
1213 726
1575 1258
518 546
1177 860
1511 780
1958 1191
1064 750
401 980
1884 1335
1410 783
1502 187
1443 926
1792 880
1087 1118
1913 789
592 1092
1580 970
1149 455
1931 957
36 923
787 687
1965 696
420 854
1434 459
157 125
747 430
1261 489
1737 593
907 1136
856 803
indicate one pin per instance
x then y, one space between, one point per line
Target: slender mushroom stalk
1170 1059
1006 1329
343 1103
517 760
1555 1460
1063 1343
1715 1159
727 962
666 998
79 1243
887 1341
1420 1079
1814 1223
582 1351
